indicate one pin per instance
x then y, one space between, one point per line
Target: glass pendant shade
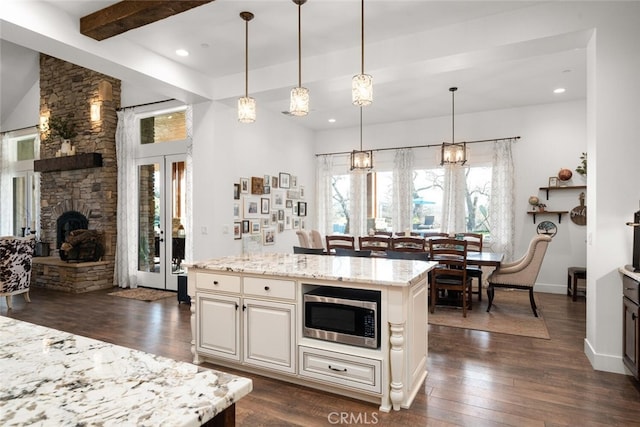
361 160
299 105
453 154
246 110
362 90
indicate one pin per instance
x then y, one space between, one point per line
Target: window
163 127
428 187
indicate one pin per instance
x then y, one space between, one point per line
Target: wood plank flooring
475 378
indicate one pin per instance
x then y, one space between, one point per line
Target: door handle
161 240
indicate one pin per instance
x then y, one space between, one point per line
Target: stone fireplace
77 191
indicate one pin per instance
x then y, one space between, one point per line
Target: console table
57 378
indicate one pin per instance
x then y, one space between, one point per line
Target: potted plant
62 127
582 167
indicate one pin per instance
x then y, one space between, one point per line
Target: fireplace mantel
65 163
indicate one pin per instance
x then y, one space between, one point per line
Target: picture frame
296 223
288 222
288 204
265 203
236 210
245 226
553 181
284 180
280 226
257 185
266 189
255 227
280 214
265 222
268 236
278 198
301 192
294 181
293 194
274 217
274 181
267 180
302 208
244 185
237 230
251 207
295 209
236 191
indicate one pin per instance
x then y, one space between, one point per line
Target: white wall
223 152
26 113
552 137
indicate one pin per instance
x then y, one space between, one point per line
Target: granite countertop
50 377
627 270
371 270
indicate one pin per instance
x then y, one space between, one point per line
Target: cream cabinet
249 320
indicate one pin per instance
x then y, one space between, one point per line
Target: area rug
143 294
510 314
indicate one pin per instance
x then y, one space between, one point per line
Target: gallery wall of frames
265 206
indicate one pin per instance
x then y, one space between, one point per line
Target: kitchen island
248 313
50 377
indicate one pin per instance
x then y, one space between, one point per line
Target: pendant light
452 153
246 105
361 160
299 104
362 84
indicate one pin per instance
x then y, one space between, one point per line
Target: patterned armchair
16 254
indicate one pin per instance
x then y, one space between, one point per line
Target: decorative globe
564 174
534 201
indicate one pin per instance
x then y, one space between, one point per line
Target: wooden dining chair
408 244
383 233
450 274
474 244
340 241
374 243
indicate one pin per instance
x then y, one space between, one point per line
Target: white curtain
501 205
358 204
453 203
6 173
324 173
402 189
127 246
188 223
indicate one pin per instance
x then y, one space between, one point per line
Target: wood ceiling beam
129 14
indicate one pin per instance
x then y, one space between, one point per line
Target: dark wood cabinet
631 325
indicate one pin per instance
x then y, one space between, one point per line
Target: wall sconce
96 111
44 124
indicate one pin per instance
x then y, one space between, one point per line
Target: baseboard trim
604 362
550 288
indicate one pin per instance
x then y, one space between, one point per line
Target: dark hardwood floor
475 378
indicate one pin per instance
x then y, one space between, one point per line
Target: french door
161 214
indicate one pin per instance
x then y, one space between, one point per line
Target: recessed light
331 120
559 90
182 52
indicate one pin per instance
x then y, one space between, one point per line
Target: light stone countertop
369 270
54 378
627 270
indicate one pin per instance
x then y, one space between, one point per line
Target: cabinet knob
215 282
266 288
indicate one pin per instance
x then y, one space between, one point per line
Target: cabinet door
218 331
269 334
631 337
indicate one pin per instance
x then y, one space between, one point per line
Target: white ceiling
412 71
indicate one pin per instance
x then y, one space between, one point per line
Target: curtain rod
144 105
422 146
16 130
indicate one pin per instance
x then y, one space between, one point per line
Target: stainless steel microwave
347 316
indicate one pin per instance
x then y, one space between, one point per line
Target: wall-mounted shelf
559 213
568 187
65 163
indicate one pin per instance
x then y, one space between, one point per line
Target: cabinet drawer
342 369
631 289
218 282
266 287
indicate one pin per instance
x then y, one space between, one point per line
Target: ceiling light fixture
362 84
299 105
452 153
246 105
361 160
559 90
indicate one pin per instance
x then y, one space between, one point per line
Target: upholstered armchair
520 274
16 255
